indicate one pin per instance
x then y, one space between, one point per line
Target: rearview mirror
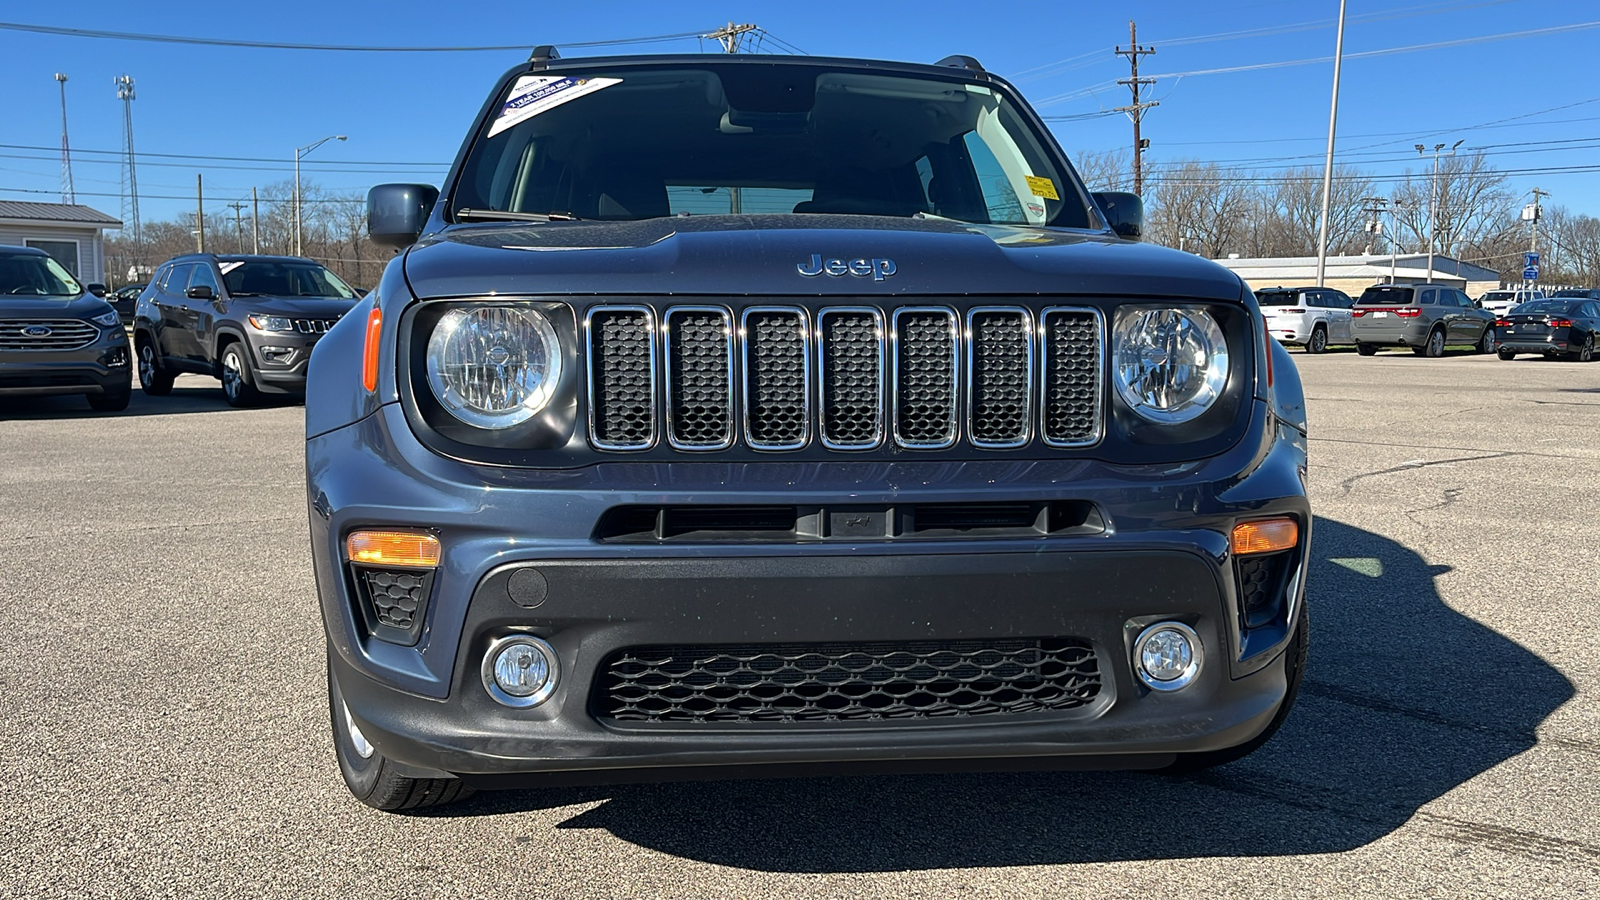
97 289
396 213
200 292
1124 213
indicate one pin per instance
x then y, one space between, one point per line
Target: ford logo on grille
37 331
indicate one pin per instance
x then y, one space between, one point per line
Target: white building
1353 274
74 235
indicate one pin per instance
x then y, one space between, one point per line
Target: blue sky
1514 95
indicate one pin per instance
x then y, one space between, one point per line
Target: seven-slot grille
46 334
314 326
852 377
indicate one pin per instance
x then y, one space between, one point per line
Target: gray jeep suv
731 416
1425 317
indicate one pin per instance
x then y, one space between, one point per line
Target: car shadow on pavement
182 400
1404 700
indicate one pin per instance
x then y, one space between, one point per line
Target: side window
1342 300
1316 299
1427 297
177 279
204 277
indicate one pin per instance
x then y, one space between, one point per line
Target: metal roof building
74 235
1353 274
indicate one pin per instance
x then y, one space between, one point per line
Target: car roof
9 250
952 66
236 257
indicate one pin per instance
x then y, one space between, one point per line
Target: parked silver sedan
1425 317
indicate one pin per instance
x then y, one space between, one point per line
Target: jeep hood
764 255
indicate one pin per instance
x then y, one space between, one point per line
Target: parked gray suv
56 337
1425 317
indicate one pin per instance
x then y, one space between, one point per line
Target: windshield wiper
465 214
243 294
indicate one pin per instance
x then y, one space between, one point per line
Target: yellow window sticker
1043 187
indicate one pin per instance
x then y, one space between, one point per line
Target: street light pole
1327 169
300 152
1433 194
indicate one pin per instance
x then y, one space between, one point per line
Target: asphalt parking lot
164 727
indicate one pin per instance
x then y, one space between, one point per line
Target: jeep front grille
844 682
314 326
849 377
56 334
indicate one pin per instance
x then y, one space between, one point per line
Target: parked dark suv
249 321
736 416
56 337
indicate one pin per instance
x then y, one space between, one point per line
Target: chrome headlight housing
493 367
1170 364
265 322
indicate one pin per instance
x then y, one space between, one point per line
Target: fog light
520 671
1167 656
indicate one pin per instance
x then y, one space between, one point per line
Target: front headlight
108 320
1170 364
271 323
493 366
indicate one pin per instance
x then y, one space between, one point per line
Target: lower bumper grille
832 682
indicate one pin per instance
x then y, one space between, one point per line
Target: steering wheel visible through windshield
35 276
753 139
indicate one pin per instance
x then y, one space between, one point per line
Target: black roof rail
544 53
962 62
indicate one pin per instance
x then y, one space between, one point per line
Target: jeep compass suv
741 415
249 321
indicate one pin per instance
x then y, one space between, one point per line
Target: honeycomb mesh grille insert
852 378
396 596
699 370
622 389
1262 586
1072 375
776 378
925 377
1002 366
835 682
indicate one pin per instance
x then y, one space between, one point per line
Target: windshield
752 139
1548 307
1385 296
275 278
1278 298
1573 292
29 275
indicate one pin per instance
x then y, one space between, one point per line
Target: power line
1136 110
335 48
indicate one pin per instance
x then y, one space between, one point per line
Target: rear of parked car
1311 317
1423 317
1553 328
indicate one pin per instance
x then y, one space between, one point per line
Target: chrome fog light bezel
1189 674
506 698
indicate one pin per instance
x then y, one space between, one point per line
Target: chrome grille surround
922 335
605 393
314 326
1000 393
846 410
776 367
65 334
690 421
1056 394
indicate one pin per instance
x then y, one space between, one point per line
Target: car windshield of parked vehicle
1497 297
1278 298
638 143
30 275
1549 308
1385 295
1585 293
275 278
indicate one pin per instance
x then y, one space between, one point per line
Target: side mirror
97 289
1124 213
396 213
200 292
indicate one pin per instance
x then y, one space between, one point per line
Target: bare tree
1469 209
1200 207
1105 170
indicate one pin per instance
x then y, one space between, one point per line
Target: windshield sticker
535 94
229 266
1043 187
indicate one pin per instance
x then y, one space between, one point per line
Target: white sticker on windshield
535 94
229 266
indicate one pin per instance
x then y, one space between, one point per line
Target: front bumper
281 358
102 367
1163 556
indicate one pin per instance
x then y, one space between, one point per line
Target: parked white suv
1311 317
1502 302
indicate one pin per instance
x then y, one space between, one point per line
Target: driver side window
203 277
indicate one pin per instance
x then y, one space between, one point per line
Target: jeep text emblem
879 269
37 331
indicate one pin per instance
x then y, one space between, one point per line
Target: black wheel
114 400
1586 352
1434 348
370 775
1366 349
1489 343
153 380
1295 658
1318 342
238 381
1503 353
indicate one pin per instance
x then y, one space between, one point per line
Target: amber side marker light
1265 536
393 548
369 354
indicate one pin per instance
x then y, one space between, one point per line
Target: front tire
1318 343
1295 658
238 381
153 380
111 401
370 776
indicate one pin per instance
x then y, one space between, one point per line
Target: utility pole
732 37
1374 208
1534 216
255 223
1135 110
1395 204
1327 167
238 222
199 213
68 195
1433 194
